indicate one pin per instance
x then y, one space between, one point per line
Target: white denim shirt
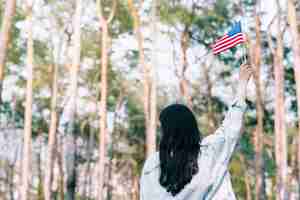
212 182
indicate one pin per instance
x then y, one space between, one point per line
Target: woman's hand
245 74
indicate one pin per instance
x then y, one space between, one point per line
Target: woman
187 167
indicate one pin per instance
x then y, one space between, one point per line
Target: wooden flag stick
245 51
245 54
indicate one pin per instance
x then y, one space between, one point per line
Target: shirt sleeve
223 143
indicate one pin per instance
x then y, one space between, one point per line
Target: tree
103 102
259 132
28 106
184 43
294 27
51 134
10 9
280 127
151 138
148 84
71 138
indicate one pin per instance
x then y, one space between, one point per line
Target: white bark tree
151 138
294 29
71 139
51 135
280 127
26 172
10 9
148 85
104 22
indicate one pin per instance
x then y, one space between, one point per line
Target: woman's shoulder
151 163
211 144
212 139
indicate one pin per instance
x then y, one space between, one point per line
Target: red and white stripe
227 42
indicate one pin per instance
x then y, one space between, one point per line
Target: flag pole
245 52
243 21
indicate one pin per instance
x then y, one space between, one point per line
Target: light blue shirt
212 182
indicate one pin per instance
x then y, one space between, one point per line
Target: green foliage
14 116
122 20
238 177
175 14
270 165
16 51
90 43
136 121
40 191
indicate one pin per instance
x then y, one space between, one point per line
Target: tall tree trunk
280 129
51 136
71 139
151 138
89 149
10 9
183 83
135 187
103 85
115 131
146 75
258 133
294 27
26 173
103 109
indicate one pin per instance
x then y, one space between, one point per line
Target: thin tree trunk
280 129
10 9
183 83
89 148
135 187
258 133
151 139
294 27
146 74
52 136
113 140
103 85
71 139
103 110
26 172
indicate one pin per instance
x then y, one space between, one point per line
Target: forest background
82 83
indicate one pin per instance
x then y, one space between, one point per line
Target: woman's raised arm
223 142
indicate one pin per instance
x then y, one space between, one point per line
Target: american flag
234 37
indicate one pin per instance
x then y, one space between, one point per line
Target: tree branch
112 12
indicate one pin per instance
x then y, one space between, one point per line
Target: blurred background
82 83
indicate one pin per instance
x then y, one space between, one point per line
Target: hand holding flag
234 37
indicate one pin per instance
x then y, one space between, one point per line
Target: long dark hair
179 147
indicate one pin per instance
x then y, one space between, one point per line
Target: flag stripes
227 42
